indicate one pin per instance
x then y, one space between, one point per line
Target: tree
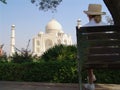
22 57
46 5
109 20
3 58
3 1
114 8
60 53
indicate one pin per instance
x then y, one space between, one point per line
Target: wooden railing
99 47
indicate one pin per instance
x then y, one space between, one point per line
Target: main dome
53 27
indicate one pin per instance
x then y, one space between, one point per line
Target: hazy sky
29 20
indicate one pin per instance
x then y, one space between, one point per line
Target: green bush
53 71
58 64
60 53
3 58
39 72
108 76
22 57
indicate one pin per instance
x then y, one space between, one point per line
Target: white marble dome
53 26
53 35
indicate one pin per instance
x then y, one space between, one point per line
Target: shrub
3 58
53 71
39 72
60 53
22 57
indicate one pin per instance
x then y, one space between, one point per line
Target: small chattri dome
40 33
53 27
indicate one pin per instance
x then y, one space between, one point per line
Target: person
94 15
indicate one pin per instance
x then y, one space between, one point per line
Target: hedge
62 72
55 71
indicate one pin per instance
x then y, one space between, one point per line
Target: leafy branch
3 1
46 5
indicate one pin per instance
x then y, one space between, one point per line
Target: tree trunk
114 8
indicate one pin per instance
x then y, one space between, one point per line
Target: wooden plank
99 29
102 63
103 43
102 36
104 50
102 66
103 58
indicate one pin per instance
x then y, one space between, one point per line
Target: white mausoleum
53 35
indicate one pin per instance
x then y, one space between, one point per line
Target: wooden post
82 45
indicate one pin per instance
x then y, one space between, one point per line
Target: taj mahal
54 35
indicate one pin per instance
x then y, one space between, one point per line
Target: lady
94 15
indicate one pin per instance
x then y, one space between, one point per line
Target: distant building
53 35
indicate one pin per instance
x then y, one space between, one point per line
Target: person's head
94 12
97 18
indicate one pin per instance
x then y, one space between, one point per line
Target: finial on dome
13 25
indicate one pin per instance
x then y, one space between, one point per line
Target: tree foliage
46 5
60 53
3 58
3 1
23 56
109 20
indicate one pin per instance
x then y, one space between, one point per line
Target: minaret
12 45
78 23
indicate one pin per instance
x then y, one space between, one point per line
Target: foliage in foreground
55 72
21 57
3 58
58 64
60 53
62 72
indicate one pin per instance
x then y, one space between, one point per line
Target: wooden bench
99 47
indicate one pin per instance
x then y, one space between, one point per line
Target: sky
29 20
